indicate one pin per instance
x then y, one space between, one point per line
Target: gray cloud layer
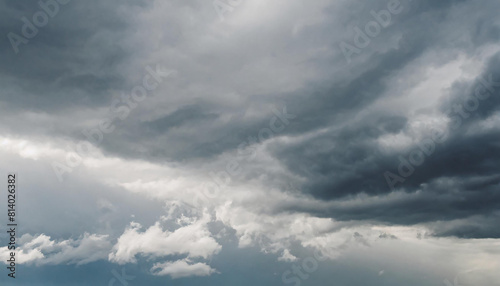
354 122
83 58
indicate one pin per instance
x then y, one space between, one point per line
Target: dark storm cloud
180 117
444 199
479 226
189 132
316 107
457 181
73 60
422 29
345 162
81 58
477 100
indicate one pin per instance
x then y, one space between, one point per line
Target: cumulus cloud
182 268
287 256
193 240
42 250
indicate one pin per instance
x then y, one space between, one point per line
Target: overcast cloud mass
251 142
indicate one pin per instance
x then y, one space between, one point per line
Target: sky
238 142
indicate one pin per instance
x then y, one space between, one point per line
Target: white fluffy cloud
42 250
193 240
182 268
